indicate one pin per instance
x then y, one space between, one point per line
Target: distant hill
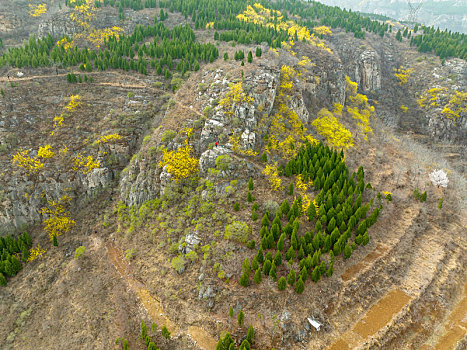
446 14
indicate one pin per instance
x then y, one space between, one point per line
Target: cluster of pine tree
10 248
227 342
171 49
443 43
340 217
144 335
73 79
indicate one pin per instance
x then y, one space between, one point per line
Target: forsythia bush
45 152
273 176
84 164
402 74
180 163
328 126
58 221
75 102
236 95
109 138
37 10
36 253
23 160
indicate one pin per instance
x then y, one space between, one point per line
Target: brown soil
354 270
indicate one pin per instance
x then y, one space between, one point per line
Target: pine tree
273 271
54 241
249 197
25 254
257 276
291 277
250 184
266 267
347 251
231 312
2 280
280 243
281 283
226 56
291 188
260 255
244 280
254 215
311 212
165 332
316 275
2 92
265 220
423 197
300 286
250 57
144 330
236 206
258 52
250 334
240 318
264 158
278 258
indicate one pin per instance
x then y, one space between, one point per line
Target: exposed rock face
447 130
368 71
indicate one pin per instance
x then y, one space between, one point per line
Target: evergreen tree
250 57
257 276
266 267
265 220
278 258
423 197
399 36
291 188
316 275
300 286
250 184
281 283
254 215
264 157
250 334
144 330
260 255
226 56
347 251
25 254
231 312
311 212
249 197
244 279
2 280
165 332
240 318
258 52
54 241
291 277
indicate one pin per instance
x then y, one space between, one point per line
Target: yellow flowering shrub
329 126
23 160
37 10
67 44
36 253
322 30
75 102
404 108
84 164
302 188
45 152
273 176
58 221
358 107
112 138
263 16
234 140
457 104
453 103
236 95
402 74
180 163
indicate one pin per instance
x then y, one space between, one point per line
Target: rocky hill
445 14
220 174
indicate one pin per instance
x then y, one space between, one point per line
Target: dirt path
378 316
153 306
455 326
367 261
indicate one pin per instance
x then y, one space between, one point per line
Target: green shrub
168 136
250 184
223 162
178 263
237 231
79 252
165 332
231 312
251 244
236 206
254 215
